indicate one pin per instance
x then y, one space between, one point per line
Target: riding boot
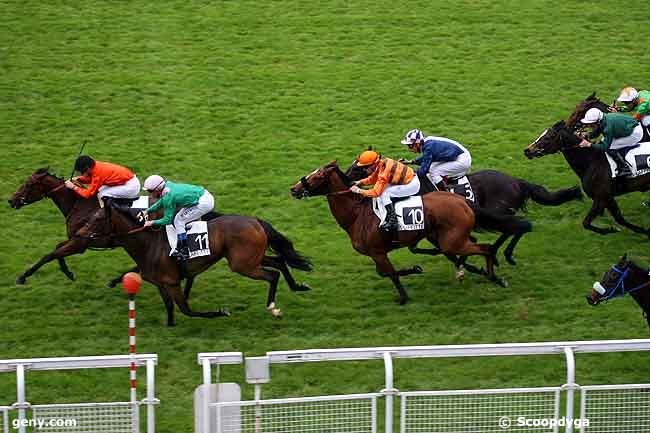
622 167
441 186
182 251
390 224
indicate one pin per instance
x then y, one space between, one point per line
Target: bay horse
242 240
448 222
592 168
76 210
625 277
498 192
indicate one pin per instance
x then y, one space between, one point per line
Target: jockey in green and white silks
193 201
637 103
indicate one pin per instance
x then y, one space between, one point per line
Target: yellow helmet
368 157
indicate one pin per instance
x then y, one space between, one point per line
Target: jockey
106 180
390 179
619 132
637 103
193 201
441 157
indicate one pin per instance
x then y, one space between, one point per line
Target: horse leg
385 269
430 251
189 282
596 209
169 305
176 294
615 211
511 248
63 249
279 264
260 273
64 268
115 281
486 250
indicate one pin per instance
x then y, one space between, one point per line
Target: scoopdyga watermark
550 423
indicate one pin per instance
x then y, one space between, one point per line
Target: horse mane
46 171
582 107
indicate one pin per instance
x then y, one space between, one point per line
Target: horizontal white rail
448 351
344 397
75 363
481 391
221 358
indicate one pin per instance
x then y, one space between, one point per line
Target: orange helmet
368 157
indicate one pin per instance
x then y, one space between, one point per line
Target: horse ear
592 96
332 163
623 258
369 147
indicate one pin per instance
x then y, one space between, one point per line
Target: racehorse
498 192
448 223
625 277
592 168
242 240
76 209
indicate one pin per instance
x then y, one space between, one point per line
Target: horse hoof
417 269
403 301
502 282
70 276
20 281
511 260
111 284
171 324
224 312
460 276
277 313
302 287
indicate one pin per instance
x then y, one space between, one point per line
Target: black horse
499 192
592 168
625 277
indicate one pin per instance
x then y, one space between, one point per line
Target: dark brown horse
498 192
448 222
76 210
624 278
242 240
592 168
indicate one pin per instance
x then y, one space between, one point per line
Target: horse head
573 122
552 140
321 181
625 277
39 185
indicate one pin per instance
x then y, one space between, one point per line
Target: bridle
24 202
617 289
308 191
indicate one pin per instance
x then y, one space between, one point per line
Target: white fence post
151 396
20 391
571 385
388 366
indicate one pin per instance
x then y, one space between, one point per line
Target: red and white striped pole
131 282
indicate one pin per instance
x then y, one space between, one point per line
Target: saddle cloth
462 187
410 213
197 238
637 157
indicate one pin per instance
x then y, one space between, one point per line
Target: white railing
85 417
432 411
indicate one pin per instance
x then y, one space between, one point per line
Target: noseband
618 289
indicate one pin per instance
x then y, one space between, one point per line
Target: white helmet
628 94
154 183
592 115
412 136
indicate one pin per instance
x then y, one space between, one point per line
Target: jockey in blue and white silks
442 158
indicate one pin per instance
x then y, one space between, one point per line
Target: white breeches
131 189
188 214
407 190
451 169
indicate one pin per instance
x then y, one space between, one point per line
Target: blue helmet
412 136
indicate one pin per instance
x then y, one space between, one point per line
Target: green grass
245 98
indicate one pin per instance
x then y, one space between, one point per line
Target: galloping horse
242 240
498 192
448 223
625 277
592 168
76 209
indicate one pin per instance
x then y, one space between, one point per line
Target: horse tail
284 247
502 223
541 195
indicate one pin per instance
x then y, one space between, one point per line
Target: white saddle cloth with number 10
410 213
